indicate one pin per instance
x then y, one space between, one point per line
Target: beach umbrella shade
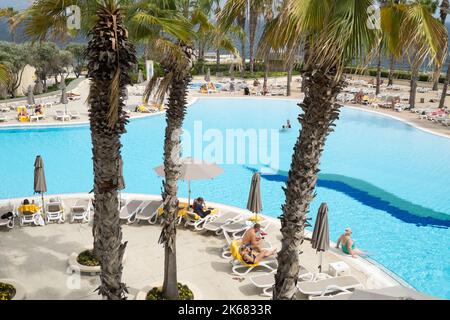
208 75
140 76
320 239
193 169
254 203
64 100
30 96
40 185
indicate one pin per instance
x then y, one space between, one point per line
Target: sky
17 4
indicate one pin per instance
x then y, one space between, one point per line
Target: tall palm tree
110 56
170 45
444 10
14 18
338 34
424 36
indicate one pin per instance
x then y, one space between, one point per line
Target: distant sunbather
348 245
199 206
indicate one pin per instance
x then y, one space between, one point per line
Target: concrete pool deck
37 257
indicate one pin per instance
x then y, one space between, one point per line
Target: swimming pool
378 176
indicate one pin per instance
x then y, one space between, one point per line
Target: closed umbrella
208 76
40 185
192 169
64 100
30 96
38 87
254 203
320 239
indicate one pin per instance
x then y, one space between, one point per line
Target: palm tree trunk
377 89
217 60
305 59
253 26
174 120
445 87
289 80
413 85
391 70
320 112
266 75
109 76
241 22
436 76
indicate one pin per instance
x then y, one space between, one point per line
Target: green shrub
87 258
7 291
183 290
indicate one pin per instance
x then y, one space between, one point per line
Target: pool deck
37 257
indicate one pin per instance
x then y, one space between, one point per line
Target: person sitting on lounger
348 245
253 236
39 109
250 256
199 207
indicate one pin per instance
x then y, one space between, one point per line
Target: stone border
142 294
75 266
21 293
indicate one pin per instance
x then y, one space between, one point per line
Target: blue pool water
379 176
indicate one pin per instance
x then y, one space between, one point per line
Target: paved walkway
37 257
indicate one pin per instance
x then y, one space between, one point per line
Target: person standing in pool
348 245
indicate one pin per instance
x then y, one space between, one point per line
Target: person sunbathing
348 245
253 237
251 257
199 207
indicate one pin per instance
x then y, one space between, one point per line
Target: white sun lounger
3 118
238 228
216 224
198 224
54 211
74 115
61 115
130 209
269 263
148 212
266 280
7 222
81 210
330 285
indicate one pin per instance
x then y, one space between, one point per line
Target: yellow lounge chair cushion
29 208
234 250
256 218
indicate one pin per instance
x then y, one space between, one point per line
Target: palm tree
338 34
110 56
424 36
444 10
170 45
13 17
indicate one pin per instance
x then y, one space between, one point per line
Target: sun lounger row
54 211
